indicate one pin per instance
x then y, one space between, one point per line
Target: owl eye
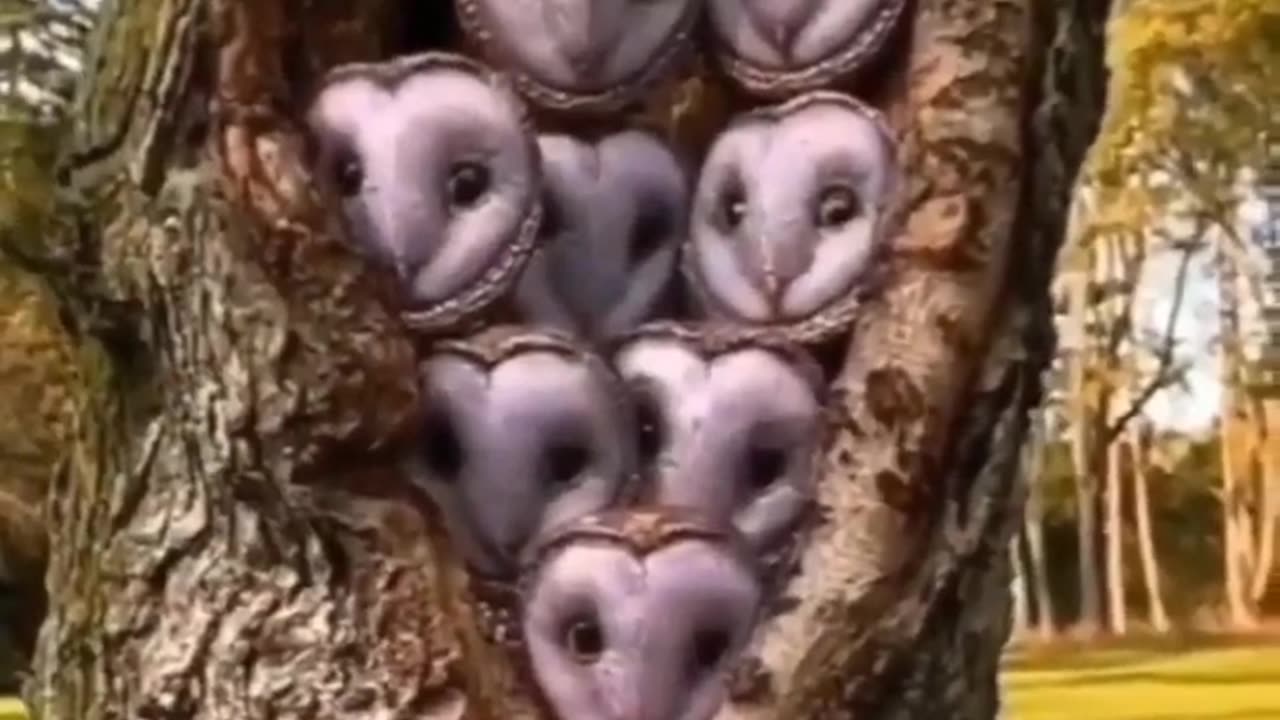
733 207
441 447
565 461
709 648
584 639
764 466
348 175
646 235
552 217
837 206
468 182
648 429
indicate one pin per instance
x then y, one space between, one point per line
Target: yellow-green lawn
11 710
1227 683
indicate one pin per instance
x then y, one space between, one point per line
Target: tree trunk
1237 536
1268 449
1045 623
1156 612
1021 602
1117 614
1033 529
1090 621
233 536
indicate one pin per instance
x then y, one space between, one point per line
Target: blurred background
1147 583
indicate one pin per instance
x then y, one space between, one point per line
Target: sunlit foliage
1191 112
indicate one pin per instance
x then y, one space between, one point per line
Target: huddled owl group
624 419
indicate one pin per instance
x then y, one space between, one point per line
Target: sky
1193 408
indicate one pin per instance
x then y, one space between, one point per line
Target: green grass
1146 683
11 709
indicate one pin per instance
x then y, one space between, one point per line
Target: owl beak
783 37
576 29
773 288
406 270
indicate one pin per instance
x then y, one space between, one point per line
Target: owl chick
778 48
788 212
614 218
638 615
729 423
524 431
582 55
438 175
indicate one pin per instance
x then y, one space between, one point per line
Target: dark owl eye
441 447
468 182
733 207
564 462
584 639
647 235
552 217
764 466
648 429
348 175
837 206
709 648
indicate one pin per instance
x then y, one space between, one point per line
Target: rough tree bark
231 536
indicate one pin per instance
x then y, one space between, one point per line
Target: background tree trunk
1140 447
1019 588
1090 589
1045 614
1267 429
1033 527
1117 613
232 536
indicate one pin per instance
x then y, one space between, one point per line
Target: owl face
437 173
734 429
621 628
776 48
523 433
582 54
615 215
787 213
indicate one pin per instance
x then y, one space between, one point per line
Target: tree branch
1165 373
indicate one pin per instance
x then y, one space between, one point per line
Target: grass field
1120 683
1136 683
11 710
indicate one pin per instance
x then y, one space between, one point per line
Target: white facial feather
773 46
436 169
736 436
616 636
788 209
581 47
512 450
614 219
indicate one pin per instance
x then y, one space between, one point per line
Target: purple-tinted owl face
435 169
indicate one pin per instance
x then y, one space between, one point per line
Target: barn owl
729 423
582 55
778 48
614 217
640 613
438 173
787 216
523 431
